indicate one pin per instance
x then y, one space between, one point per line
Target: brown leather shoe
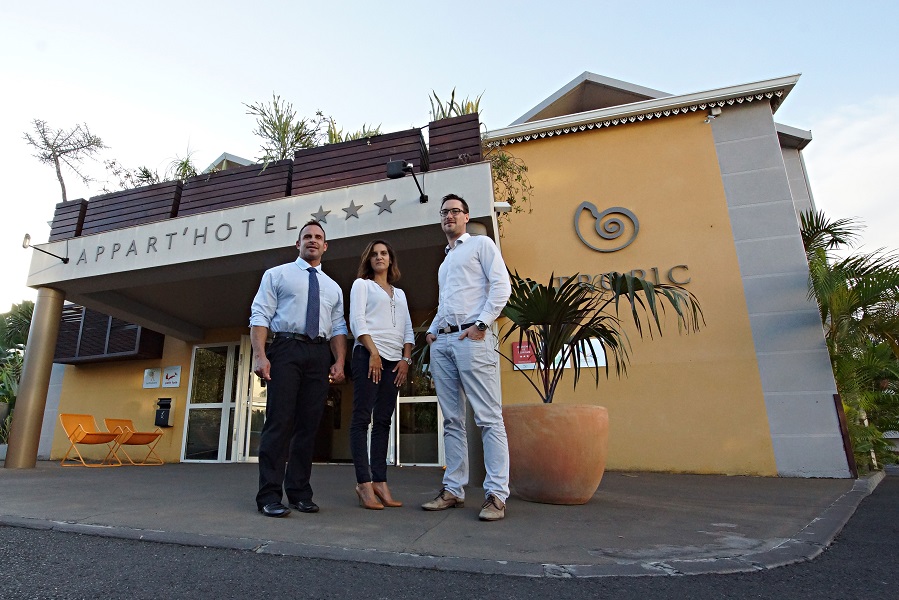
445 499
367 498
493 509
383 493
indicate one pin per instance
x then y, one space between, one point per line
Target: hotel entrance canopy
186 275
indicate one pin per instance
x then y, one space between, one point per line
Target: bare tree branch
67 147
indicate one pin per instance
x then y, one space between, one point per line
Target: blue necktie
313 304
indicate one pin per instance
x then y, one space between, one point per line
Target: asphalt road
863 562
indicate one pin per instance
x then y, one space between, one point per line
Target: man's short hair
307 224
455 197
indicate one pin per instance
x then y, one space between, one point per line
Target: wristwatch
407 360
482 326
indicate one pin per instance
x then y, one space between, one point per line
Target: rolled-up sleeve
358 304
265 303
409 335
499 286
338 322
438 318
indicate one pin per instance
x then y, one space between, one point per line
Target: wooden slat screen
235 187
357 161
69 331
455 141
88 336
132 207
94 332
68 219
122 337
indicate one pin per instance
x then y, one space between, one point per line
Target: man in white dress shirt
303 309
474 288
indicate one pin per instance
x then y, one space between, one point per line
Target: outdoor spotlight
714 112
399 168
26 243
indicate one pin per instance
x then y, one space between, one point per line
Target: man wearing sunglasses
474 288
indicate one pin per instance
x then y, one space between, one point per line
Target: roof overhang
615 89
771 90
792 137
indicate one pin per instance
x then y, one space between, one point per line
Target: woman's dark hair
366 272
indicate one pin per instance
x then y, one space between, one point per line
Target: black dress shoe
306 506
275 509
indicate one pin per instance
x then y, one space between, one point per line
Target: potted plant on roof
558 452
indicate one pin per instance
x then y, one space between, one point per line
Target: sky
156 80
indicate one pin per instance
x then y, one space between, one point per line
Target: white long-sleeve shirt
372 312
474 283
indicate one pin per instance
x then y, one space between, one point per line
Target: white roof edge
799 137
593 77
658 104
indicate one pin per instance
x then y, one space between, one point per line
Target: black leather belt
454 329
300 337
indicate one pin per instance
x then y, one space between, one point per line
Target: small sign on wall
171 377
152 378
523 356
596 358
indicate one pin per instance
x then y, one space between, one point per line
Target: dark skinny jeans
372 403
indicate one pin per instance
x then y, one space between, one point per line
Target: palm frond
561 322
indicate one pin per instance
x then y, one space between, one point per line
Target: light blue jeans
472 366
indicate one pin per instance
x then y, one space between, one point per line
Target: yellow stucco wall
116 390
690 402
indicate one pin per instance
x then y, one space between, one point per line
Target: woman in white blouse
380 321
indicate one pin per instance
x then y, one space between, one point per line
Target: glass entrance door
419 432
250 406
211 403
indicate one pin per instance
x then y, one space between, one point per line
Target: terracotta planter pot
557 452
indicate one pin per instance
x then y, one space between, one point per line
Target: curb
807 544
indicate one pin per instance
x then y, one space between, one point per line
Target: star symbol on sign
321 214
352 210
384 205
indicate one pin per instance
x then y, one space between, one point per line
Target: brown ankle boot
367 498
383 493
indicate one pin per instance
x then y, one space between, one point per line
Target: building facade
700 190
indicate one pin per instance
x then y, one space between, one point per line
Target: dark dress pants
372 403
295 403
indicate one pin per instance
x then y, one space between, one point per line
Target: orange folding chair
127 435
82 429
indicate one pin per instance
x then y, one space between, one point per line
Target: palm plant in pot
557 453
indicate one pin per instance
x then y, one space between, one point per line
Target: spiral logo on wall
615 224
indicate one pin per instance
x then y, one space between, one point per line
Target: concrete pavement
636 524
